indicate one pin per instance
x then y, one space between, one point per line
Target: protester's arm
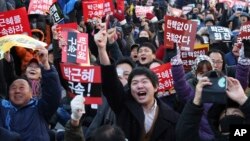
51 90
9 69
237 94
73 128
183 89
111 86
242 69
113 47
191 116
187 128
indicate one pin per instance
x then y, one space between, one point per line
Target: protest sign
8 41
83 80
141 11
56 13
66 26
92 9
76 48
186 9
165 77
180 31
244 32
120 6
174 11
14 22
188 57
40 6
108 7
219 33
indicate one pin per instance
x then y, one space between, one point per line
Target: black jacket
129 113
187 128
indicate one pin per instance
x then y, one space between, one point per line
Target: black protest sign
219 33
56 13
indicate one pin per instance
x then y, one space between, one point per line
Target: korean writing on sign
93 9
76 50
165 77
230 3
108 7
120 6
188 57
83 80
141 11
244 32
14 22
40 6
179 31
56 13
219 33
81 74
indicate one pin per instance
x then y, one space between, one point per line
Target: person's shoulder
167 112
5 103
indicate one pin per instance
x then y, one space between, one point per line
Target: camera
215 93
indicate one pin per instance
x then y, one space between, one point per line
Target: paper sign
67 26
56 13
244 32
14 22
141 11
234 3
40 6
108 7
219 33
92 9
174 11
180 31
165 77
186 9
83 80
120 6
8 41
189 57
76 49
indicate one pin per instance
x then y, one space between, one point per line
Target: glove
77 107
176 60
120 18
151 17
242 59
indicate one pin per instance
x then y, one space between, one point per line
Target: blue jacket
230 59
30 121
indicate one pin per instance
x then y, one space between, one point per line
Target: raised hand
77 107
204 81
235 91
101 38
43 57
111 35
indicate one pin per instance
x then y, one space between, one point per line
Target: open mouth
135 56
143 59
141 94
32 72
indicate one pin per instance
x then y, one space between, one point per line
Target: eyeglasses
217 62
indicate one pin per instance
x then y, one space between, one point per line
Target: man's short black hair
108 133
126 60
24 78
143 71
149 45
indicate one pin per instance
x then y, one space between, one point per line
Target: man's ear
156 88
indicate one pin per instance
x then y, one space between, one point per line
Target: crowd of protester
33 103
